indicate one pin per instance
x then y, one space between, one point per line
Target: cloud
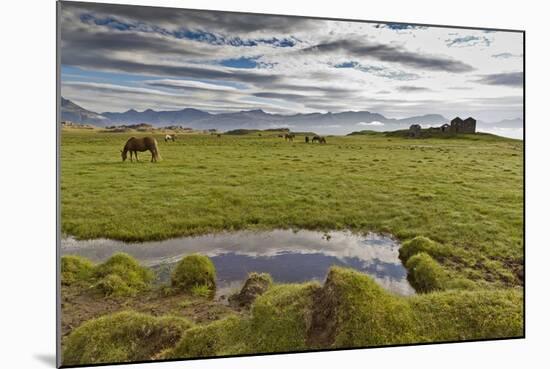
277 95
371 124
185 33
507 55
218 61
398 26
412 89
188 85
224 22
514 79
379 71
468 41
392 54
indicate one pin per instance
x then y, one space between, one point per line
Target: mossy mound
281 318
349 310
122 275
417 245
75 269
358 313
425 274
353 310
467 315
192 271
255 285
278 323
222 337
123 337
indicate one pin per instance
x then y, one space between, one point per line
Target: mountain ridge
329 122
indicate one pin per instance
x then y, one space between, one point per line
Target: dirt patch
79 305
322 330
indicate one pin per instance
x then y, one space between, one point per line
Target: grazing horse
289 137
307 139
169 138
319 139
141 144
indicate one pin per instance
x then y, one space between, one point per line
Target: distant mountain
325 123
75 113
150 116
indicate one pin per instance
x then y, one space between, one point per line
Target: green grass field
465 193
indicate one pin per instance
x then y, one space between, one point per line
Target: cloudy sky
116 58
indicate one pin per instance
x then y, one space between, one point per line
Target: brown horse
141 144
289 137
319 139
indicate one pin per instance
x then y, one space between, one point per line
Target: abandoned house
463 126
414 130
457 126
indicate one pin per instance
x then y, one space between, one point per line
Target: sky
115 58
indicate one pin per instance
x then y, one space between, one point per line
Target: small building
469 125
463 126
414 130
445 128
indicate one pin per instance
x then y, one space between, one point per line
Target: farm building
414 130
463 126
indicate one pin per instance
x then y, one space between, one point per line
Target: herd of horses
148 143
290 137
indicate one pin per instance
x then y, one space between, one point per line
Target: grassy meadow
456 203
465 192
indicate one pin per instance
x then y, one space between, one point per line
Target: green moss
223 337
75 269
467 315
201 290
363 313
279 322
415 246
425 274
352 310
194 270
281 317
122 275
122 337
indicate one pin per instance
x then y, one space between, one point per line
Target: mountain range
324 123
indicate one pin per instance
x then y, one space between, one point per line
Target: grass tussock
425 274
351 310
122 275
196 274
123 337
75 269
223 337
281 317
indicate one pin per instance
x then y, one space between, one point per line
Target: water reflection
287 255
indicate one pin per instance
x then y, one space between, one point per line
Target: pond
289 256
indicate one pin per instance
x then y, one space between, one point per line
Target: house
445 128
463 126
469 125
414 130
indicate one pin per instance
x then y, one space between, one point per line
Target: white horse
169 138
